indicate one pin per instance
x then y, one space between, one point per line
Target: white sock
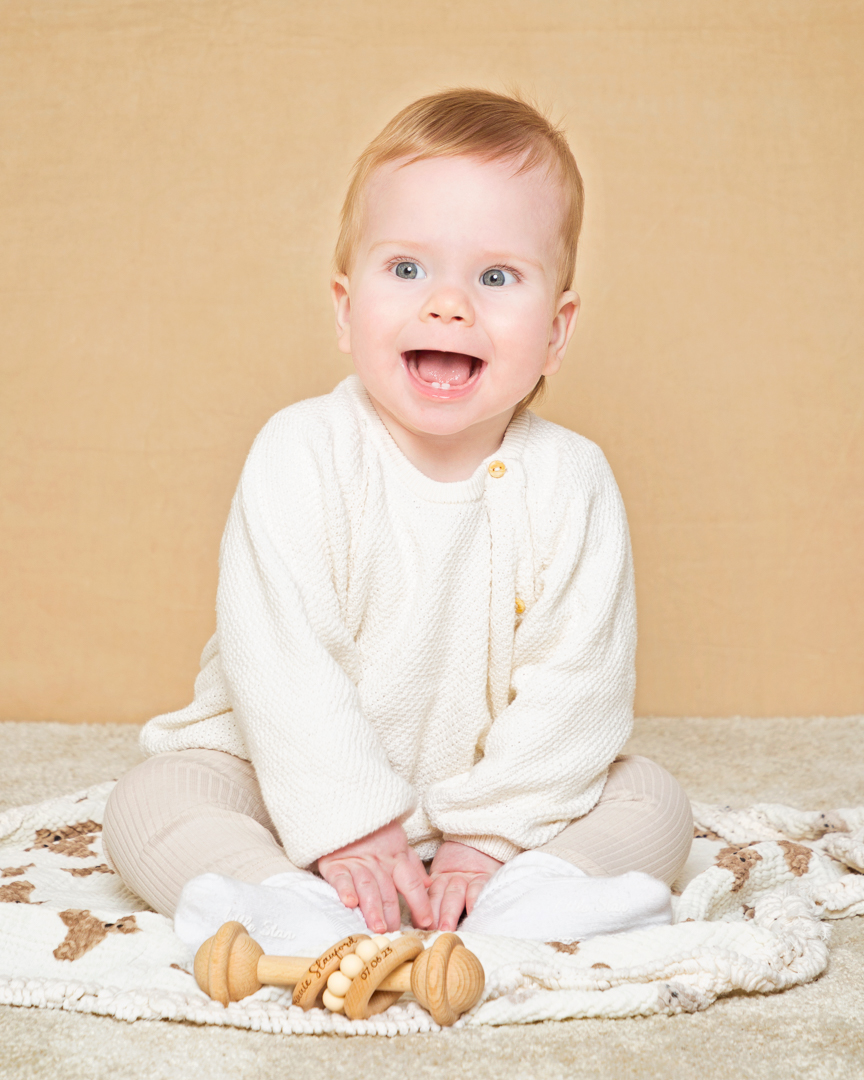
290 914
544 898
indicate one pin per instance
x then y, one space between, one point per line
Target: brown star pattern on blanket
738 859
705 834
797 856
16 871
74 840
86 931
832 822
86 871
565 947
17 892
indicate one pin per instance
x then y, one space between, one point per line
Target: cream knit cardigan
456 655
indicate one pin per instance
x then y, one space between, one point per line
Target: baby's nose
449 305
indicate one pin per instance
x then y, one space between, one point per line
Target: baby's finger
340 878
475 887
369 893
416 863
452 903
389 902
412 882
436 895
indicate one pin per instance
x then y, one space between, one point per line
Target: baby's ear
339 286
563 325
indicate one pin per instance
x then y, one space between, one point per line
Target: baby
425 616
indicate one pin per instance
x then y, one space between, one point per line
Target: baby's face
451 311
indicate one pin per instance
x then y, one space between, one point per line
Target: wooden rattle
359 975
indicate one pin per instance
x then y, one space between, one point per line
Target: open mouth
446 373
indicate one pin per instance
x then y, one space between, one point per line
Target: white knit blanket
755 895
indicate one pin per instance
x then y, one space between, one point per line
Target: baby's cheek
521 329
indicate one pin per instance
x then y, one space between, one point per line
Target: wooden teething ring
360 1001
307 992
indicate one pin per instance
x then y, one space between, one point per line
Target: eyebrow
493 258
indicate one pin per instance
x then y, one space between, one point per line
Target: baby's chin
467 417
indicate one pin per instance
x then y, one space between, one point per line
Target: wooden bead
367 950
351 965
332 1002
339 984
381 940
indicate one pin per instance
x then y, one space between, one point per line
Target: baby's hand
371 871
458 875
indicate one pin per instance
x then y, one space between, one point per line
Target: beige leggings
179 815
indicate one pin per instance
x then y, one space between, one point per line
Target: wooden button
497 469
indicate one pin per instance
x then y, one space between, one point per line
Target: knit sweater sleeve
545 758
288 658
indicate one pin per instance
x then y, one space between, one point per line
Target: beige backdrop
171 173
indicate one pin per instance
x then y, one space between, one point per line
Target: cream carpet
813 1030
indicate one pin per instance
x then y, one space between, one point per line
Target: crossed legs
182 815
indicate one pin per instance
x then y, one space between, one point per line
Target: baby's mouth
443 370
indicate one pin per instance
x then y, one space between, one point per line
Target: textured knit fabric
456 655
179 815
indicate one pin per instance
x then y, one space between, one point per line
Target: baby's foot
544 898
291 914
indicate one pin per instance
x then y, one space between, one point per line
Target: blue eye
409 271
497 277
